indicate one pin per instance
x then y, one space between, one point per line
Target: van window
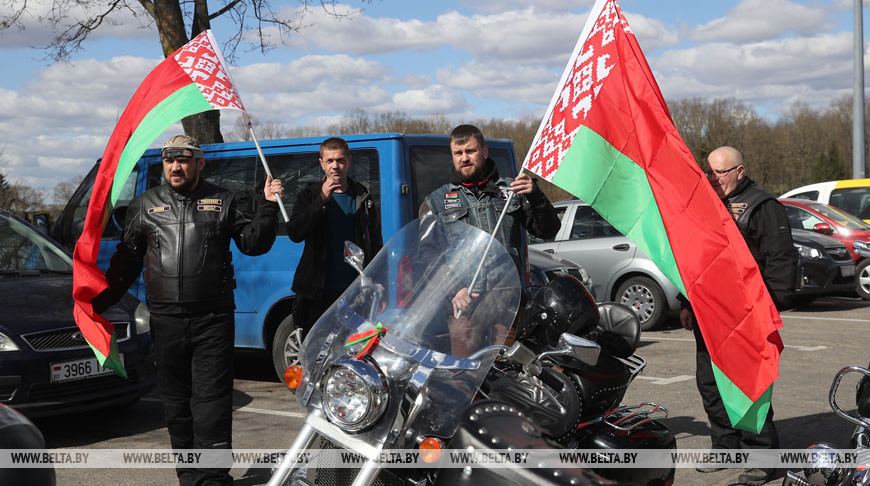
431 167
855 200
295 170
72 228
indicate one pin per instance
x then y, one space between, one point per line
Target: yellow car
851 195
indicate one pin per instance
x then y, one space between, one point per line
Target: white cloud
490 6
430 100
754 20
502 80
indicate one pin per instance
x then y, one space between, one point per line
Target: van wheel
862 280
645 298
285 347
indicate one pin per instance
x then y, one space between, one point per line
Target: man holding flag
763 222
180 232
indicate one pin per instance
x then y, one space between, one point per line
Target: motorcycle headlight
808 251
142 319
353 394
825 471
7 344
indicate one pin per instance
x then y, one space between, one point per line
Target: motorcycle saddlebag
490 424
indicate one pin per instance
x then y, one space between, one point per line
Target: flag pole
266 167
488 246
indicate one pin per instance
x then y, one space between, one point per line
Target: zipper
180 246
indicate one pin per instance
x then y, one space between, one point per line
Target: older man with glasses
763 222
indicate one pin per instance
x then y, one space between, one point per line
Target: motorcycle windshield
425 355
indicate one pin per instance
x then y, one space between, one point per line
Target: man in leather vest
476 195
763 222
180 232
326 214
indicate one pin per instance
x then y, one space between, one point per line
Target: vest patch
159 209
218 202
452 204
209 207
452 195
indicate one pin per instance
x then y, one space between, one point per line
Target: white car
851 195
620 272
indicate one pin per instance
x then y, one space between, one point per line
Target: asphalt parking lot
820 339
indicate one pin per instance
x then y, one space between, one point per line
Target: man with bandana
180 233
476 194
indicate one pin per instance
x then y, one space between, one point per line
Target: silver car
620 272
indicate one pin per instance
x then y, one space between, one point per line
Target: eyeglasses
719 173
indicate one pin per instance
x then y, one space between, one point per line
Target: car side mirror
42 221
354 256
823 228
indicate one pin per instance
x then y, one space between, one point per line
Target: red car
832 221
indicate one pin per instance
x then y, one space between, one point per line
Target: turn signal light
430 449
293 377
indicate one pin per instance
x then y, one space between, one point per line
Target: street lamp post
858 94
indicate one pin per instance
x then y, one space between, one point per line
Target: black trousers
307 310
721 432
195 373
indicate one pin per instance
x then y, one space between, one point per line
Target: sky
466 59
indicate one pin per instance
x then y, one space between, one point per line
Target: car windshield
24 248
841 217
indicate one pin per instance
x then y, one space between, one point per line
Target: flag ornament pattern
192 80
608 139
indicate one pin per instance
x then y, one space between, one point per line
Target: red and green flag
608 139
192 80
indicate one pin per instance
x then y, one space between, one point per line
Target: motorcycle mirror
354 256
582 349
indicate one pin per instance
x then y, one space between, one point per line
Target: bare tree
64 190
177 21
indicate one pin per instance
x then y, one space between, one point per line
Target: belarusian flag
608 138
192 80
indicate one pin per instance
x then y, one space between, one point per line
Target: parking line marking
793 346
665 381
787 316
246 408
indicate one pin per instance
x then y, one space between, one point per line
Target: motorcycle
391 365
824 472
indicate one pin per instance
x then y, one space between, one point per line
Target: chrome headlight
808 251
825 471
142 319
353 394
7 344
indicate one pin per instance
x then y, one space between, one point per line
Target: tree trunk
204 127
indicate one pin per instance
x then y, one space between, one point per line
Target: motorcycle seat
618 329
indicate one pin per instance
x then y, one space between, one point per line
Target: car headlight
808 251
861 247
7 344
142 319
353 394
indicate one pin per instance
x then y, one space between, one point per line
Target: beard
470 178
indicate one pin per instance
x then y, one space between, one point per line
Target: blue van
399 171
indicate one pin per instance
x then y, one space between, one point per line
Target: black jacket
183 241
309 223
763 222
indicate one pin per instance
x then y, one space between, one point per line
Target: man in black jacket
180 232
324 216
763 222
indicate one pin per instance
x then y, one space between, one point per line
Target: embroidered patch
451 205
159 209
369 204
505 192
209 207
218 202
452 195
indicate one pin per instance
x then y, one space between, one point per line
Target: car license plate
78 369
848 271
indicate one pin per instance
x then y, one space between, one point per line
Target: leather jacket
183 241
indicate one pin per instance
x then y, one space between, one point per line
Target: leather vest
188 258
456 202
741 206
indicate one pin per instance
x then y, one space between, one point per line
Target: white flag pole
266 167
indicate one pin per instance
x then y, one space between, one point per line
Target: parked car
46 366
835 222
620 272
545 266
851 195
825 266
